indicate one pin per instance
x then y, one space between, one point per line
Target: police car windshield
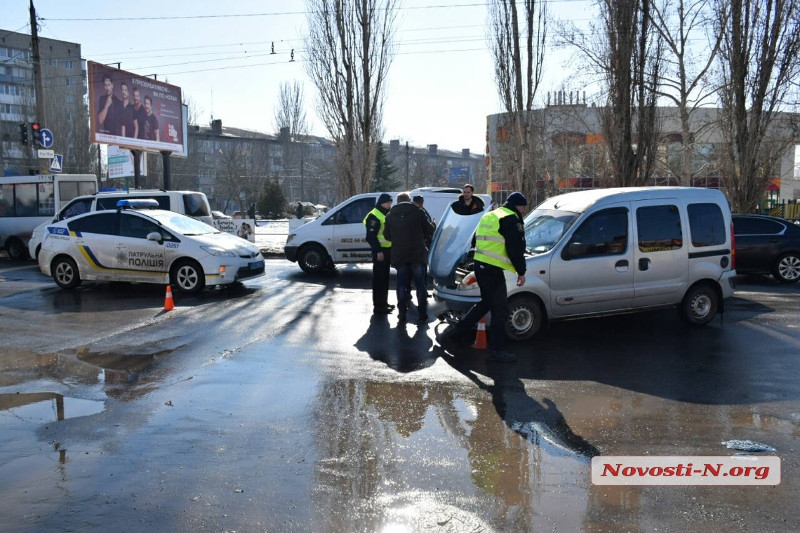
182 224
545 227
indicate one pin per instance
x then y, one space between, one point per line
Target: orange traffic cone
480 336
169 305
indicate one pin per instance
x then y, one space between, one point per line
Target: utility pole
37 76
37 69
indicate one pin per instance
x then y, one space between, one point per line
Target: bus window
67 190
25 200
47 205
6 200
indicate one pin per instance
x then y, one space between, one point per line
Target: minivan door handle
644 263
621 265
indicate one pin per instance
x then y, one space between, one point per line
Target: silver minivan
600 252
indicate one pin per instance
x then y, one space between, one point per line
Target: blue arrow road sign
46 138
56 164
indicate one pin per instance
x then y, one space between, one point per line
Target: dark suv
767 245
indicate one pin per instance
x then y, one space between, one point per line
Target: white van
191 203
338 235
600 252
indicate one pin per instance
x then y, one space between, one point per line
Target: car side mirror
154 236
573 249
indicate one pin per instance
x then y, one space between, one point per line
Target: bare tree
685 79
633 53
349 52
290 112
517 84
760 59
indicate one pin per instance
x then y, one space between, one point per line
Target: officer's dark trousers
380 279
494 299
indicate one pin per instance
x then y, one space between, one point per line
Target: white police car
153 246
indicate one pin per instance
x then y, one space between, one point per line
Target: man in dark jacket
375 221
407 228
499 246
467 203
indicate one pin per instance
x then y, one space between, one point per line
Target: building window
68 63
70 99
70 81
54 62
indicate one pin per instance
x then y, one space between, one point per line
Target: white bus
27 201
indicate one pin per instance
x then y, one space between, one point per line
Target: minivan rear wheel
700 304
525 317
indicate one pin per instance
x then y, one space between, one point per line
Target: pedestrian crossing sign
56 163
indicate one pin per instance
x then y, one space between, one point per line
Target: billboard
134 112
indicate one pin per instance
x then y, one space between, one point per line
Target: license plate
256 265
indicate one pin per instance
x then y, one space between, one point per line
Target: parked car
600 252
219 215
153 246
767 245
191 203
338 236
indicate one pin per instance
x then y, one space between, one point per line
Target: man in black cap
375 221
499 246
419 201
407 228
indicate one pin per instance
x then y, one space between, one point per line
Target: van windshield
545 227
195 205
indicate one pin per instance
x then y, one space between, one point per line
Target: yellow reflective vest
382 219
490 245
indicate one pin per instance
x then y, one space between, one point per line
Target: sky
441 82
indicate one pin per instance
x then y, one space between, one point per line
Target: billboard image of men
139 114
129 125
109 118
151 132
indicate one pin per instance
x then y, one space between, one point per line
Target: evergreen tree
271 201
384 170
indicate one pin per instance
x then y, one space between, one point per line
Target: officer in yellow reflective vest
499 246
375 221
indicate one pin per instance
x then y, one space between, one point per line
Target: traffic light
37 131
23 133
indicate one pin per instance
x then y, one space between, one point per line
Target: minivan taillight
733 249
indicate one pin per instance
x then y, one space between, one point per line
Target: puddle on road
44 407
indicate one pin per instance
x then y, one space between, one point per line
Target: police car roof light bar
137 204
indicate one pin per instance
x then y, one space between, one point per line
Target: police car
152 246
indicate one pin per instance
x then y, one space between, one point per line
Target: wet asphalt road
284 405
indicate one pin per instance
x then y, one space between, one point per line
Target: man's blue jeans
405 273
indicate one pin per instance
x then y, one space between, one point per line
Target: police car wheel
187 276
65 273
313 258
525 317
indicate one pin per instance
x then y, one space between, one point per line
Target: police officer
375 221
499 246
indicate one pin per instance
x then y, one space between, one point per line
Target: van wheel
16 249
187 276
65 273
313 258
787 268
700 305
525 317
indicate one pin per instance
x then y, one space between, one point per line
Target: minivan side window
604 233
101 223
707 225
659 228
111 201
352 213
